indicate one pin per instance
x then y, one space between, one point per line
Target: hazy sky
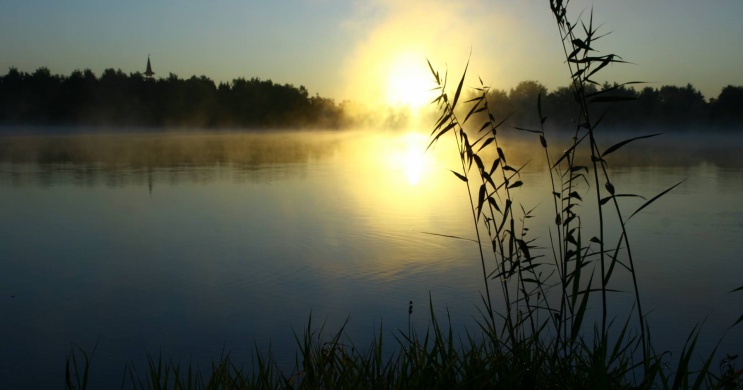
369 50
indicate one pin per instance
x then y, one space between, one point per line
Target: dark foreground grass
533 332
436 359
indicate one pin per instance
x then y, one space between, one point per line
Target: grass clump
436 359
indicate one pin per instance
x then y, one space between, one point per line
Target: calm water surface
189 244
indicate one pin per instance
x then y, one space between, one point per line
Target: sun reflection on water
395 175
414 160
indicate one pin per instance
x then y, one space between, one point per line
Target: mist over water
194 243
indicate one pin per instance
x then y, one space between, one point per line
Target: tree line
119 100
668 107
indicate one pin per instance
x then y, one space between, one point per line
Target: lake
190 245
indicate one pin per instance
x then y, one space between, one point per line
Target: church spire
149 73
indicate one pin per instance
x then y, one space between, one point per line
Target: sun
409 82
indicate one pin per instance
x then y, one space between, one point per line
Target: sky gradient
360 49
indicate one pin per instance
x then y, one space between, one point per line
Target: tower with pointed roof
149 73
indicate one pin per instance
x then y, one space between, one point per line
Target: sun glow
387 66
409 82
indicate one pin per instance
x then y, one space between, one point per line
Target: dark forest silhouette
669 107
116 99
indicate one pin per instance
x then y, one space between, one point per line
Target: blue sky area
350 49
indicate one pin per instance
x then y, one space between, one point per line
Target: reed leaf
653 199
616 146
460 176
603 201
459 87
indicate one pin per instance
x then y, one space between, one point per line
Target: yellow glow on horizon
388 68
409 82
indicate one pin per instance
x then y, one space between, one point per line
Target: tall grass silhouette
544 294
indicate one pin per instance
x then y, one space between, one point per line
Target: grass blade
646 204
459 87
614 147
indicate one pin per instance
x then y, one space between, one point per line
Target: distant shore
115 100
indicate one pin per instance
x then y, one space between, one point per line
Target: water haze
194 244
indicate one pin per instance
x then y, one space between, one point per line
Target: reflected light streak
415 161
408 161
399 175
399 190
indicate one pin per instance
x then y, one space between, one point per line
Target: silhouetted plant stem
580 64
448 121
462 151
